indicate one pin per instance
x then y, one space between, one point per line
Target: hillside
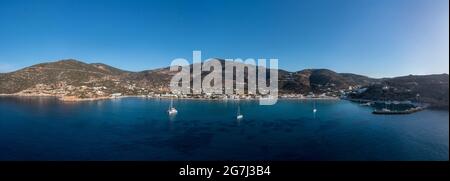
65 77
432 89
320 81
82 80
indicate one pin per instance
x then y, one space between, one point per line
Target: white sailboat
314 107
239 115
172 110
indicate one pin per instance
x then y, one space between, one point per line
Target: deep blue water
140 129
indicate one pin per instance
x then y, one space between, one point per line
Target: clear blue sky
379 38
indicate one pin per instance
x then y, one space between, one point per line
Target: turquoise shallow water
140 129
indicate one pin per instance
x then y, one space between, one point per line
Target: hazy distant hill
431 88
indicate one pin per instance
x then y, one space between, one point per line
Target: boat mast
239 110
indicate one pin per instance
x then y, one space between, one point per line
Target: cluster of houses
62 89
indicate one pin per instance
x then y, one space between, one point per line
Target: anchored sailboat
239 115
314 107
172 110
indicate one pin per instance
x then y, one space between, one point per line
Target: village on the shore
79 93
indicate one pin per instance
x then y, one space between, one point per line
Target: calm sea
140 129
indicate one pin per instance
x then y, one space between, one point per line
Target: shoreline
60 98
73 99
